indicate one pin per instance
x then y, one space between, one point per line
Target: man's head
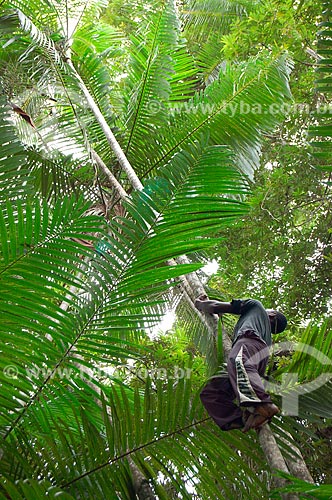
278 321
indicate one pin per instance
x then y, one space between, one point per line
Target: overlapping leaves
65 303
159 430
78 291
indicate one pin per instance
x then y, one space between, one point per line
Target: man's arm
203 304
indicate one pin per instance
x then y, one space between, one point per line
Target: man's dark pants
246 364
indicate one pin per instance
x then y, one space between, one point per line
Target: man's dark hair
279 323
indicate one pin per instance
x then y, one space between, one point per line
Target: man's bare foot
261 415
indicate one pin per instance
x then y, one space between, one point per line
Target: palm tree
117 160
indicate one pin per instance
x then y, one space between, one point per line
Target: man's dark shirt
254 318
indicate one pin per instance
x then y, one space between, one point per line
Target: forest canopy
140 141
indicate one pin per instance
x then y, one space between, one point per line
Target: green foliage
280 253
32 490
321 131
158 430
205 23
309 360
314 491
125 15
283 241
276 25
272 24
304 378
79 290
169 355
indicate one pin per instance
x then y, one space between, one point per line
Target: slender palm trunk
141 485
111 178
296 465
115 146
274 458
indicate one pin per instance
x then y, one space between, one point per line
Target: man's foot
267 410
254 421
261 415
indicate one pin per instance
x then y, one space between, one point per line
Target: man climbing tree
246 365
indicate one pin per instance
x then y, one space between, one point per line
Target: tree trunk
115 146
272 453
274 458
141 485
112 179
296 464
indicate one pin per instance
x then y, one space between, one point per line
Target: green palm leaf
245 102
183 446
32 490
205 22
115 285
27 170
307 378
160 71
315 491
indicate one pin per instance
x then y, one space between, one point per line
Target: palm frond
116 284
204 23
31 490
13 167
36 34
28 171
315 491
244 103
200 202
95 50
204 17
63 121
307 377
44 12
303 389
313 353
163 430
160 70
